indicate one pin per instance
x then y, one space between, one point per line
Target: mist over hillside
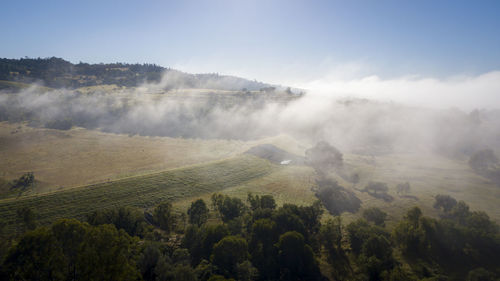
357 125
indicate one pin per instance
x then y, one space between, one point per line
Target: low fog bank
465 92
359 125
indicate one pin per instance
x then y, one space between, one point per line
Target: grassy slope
289 184
141 191
10 85
17 86
428 176
100 156
62 159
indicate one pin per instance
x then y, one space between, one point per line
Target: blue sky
263 39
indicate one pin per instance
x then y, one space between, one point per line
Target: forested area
229 239
58 73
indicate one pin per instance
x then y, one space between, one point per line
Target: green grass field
288 184
140 191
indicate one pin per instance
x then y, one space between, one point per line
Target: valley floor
109 170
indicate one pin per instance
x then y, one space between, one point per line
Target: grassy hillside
141 191
287 184
428 175
12 86
114 159
63 159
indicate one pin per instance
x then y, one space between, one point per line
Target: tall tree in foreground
296 258
164 217
37 256
198 212
228 253
71 250
331 239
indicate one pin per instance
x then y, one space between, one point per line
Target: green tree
198 212
372 249
246 271
164 270
408 234
267 202
28 217
376 187
107 254
25 181
375 215
217 277
264 234
200 241
264 201
403 188
444 202
296 258
147 262
230 208
331 239
128 219
228 253
286 219
184 273
324 157
204 270
216 200
70 234
460 212
483 160
376 256
481 274
181 256
163 216
37 256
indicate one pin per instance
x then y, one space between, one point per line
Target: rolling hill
59 73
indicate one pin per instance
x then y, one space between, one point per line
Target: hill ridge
58 73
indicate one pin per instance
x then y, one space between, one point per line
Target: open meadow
63 159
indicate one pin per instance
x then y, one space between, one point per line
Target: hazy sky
272 41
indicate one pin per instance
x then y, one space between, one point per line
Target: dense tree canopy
73 250
289 242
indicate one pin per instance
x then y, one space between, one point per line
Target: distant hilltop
58 73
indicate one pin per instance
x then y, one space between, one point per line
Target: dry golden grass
100 88
287 184
139 191
428 175
79 156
